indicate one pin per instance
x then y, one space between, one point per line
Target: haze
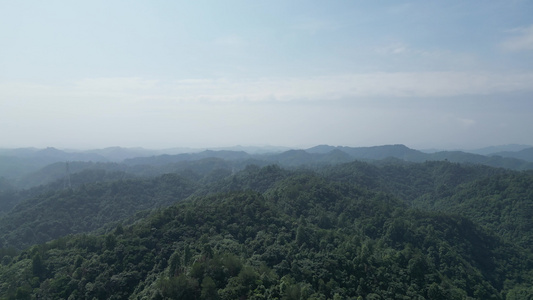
159 74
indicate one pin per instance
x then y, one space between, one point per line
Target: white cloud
466 122
325 88
521 41
115 84
393 48
315 25
383 108
233 41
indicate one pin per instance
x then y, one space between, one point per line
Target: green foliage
354 231
89 207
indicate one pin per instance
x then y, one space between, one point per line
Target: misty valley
383 222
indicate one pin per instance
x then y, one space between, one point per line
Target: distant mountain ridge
19 165
165 158
405 153
19 162
524 154
502 148
373 153
51 154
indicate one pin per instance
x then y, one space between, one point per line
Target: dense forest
227 225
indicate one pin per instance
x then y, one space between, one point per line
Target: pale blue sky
157 74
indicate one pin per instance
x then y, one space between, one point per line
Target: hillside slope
306 238
391 229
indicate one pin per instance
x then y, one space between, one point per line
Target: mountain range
22 167
327 222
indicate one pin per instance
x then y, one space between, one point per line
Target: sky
162 74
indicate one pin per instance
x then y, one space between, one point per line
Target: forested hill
388 230
58 213
306 238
